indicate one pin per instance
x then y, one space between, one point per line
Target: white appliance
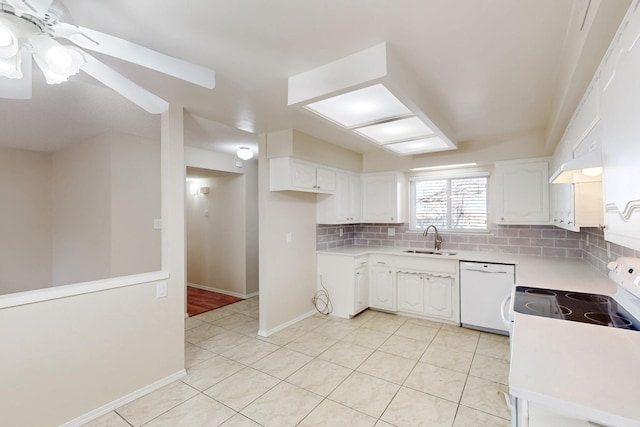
483 286
618 311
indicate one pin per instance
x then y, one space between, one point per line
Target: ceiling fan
33 28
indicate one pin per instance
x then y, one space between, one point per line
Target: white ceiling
490 66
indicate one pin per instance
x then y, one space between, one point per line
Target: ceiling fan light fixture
56 61
244 153
11 67
8 39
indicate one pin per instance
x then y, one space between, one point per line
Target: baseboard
111 406
252 294
265 334
221 291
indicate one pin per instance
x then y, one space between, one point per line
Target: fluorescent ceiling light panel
362 106
396 130
417 146
458 165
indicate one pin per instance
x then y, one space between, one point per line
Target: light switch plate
391 231
157 224
162 289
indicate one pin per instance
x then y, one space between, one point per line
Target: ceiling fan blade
35 8
18 88
131 52
125 87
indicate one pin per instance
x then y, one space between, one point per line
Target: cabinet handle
363 262
381 262
561 221
502 219
570 222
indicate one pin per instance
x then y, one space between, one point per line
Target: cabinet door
621 127
410 292
381 198
355 198
438 296
383 294
361 289
325 179
523 192
303 175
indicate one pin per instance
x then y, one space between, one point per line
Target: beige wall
216 231
66 357
81 187
215 161
105 198
293 143
287 269
73 358
135 203
25 220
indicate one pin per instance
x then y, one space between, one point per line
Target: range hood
586 168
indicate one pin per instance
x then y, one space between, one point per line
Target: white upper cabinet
620 107
287 173
383 197
344 205
522 191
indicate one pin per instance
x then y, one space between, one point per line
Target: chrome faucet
437 243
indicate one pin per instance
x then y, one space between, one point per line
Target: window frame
413 226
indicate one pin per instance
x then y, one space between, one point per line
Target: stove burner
536 291
543 308
607 319
592 298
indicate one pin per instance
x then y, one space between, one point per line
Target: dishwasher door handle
480 270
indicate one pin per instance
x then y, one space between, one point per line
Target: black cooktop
595 309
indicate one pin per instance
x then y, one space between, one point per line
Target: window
456 203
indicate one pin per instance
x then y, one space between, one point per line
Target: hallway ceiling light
368 94
244 153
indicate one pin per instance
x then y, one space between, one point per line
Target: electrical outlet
289 237
341 232
157 224
391 231
608 250
587 242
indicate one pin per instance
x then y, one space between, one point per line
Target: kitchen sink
428 252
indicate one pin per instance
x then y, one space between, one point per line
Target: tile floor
377 369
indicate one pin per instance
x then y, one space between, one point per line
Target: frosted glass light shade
417 146
244 153
362 106
397 130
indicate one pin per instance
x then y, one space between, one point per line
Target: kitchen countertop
577 368
574 274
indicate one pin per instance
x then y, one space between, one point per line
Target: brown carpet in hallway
200 301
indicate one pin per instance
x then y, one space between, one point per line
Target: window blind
450 203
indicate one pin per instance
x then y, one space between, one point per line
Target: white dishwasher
483 287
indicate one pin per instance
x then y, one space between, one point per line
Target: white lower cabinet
409 284
410 292
438 293
346 280
383 289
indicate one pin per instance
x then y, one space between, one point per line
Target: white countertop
573 274
577 368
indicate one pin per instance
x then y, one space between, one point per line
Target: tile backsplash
535 240
544 240
594 249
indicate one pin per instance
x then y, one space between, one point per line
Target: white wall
287 269
25 220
